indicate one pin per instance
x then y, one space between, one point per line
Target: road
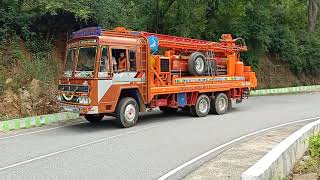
158 144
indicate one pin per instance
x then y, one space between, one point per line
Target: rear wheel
168 110
94 118
220 104
127 112
202 106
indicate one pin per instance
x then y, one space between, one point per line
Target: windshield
86 61
69 62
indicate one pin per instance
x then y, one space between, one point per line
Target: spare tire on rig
196 64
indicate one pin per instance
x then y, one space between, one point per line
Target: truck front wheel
127 112
202 106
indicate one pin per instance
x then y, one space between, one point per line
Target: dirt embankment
273 73
29 96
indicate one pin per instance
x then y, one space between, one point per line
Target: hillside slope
273 73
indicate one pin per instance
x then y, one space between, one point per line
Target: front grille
74 88
74 99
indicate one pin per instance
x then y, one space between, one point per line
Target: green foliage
314 146
110 14
42 67
311 164
276 27
251 58
306 166
37 44
280 178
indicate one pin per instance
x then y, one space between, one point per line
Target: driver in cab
122 62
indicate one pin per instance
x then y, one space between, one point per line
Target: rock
9 104
310 176
306 158
9 96
9 80
26 102
35 88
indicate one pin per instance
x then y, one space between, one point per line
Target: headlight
84 100
59 98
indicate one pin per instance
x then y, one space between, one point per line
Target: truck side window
132 60
104 70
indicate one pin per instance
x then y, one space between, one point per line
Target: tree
313 14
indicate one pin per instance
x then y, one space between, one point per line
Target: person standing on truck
122 62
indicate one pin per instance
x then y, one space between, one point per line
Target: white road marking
73 148
43 130
173 171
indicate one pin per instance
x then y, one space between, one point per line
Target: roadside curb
36 121
281 159
262 92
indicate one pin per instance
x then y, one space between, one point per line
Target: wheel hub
203 106
130 113
222 104
199 64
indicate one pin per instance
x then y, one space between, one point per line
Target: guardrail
262 92
280 160
29 122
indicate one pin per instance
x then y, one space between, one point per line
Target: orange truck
121 73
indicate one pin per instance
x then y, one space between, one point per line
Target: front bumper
78 108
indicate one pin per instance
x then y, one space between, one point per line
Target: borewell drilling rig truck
121 73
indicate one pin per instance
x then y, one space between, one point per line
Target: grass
311 164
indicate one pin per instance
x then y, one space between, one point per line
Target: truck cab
98 69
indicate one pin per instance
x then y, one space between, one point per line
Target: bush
13 62
251 58
42 67
314 145
37 44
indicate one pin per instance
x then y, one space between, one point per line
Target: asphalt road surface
158 144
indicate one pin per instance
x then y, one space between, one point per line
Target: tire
202 106
127 112
94 118
196 64
221 104
168 110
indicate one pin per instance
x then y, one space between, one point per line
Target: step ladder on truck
121 73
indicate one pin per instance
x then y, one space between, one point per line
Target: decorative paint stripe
36 121
188 80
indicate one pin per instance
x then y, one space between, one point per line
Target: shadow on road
145 119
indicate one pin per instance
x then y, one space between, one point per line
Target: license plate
70 108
